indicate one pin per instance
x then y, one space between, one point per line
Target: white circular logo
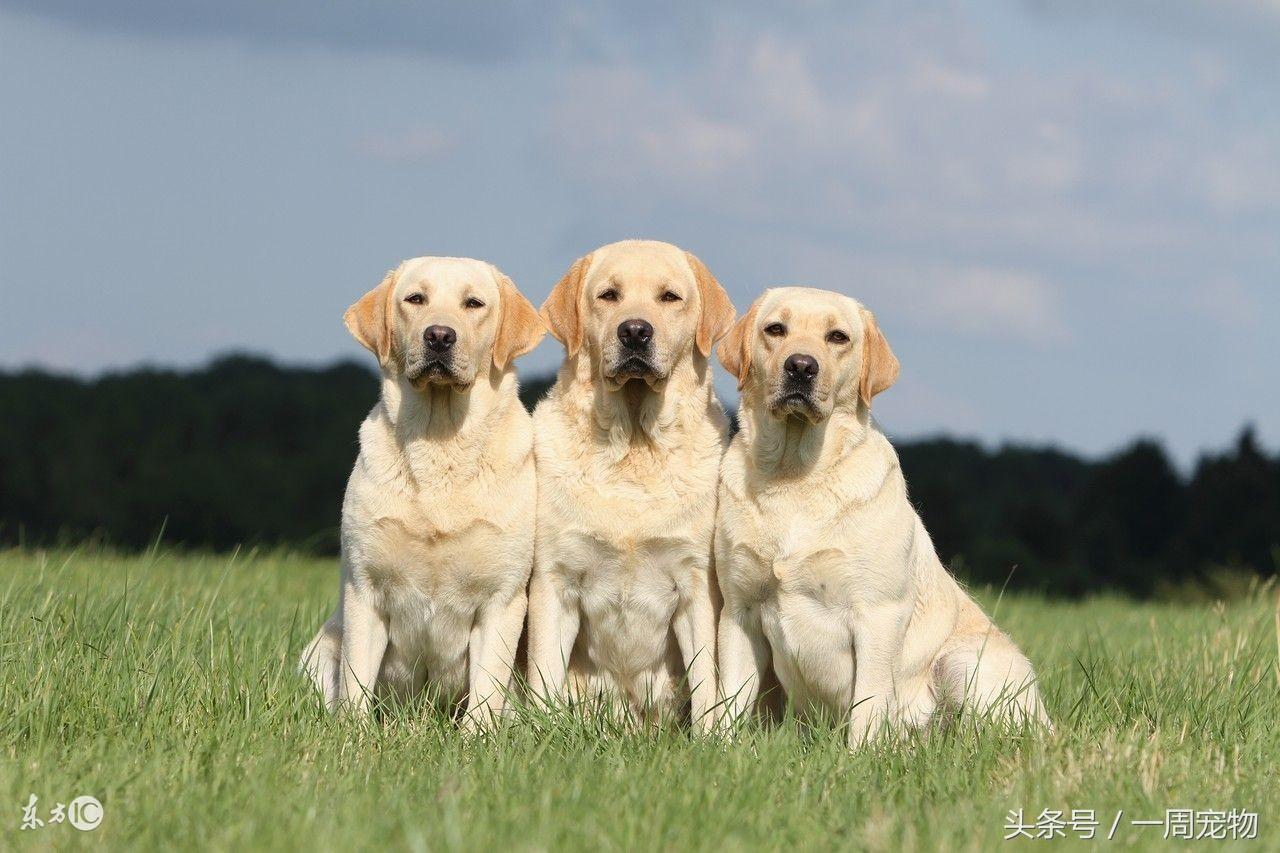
85 813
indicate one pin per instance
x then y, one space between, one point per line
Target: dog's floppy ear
369 320
717 310
560 311
519 326
879 364
735 349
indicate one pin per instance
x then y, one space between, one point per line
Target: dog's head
442 321
804 352
637 307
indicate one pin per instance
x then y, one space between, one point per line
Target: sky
1065 213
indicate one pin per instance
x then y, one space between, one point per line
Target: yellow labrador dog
437 523
629 442
828 576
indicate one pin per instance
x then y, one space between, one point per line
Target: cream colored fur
621 604
437 522
830 581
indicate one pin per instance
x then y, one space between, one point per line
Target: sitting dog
628 445
828 576
437 523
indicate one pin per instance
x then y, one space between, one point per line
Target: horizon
1184 467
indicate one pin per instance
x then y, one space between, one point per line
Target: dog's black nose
439 338
801 366
635 334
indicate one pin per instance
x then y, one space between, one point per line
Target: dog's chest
796 560
620 569
836 565
805 542
459 563
604 527
453 547
628 565
656 490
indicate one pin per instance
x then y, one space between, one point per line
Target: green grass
165 686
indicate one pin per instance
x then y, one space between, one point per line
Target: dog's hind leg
986 672
321 658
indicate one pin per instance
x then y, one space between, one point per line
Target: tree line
247 452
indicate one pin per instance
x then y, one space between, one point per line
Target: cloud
1244 176
1250 24
414 144
613 127
490 30
1000 303
922 141
920 408
938 297
493 31
1228 303
956 189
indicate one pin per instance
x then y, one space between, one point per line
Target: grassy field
164 685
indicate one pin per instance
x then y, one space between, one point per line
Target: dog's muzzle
436 364
793 401
795 396
436 368
632 367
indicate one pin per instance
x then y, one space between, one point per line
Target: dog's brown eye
837 337
609 295
668 296
775 330
473 303
414 299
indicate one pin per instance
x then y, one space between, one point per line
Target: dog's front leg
695 628
553 629
322 660
492 654
364 641
878 635
743 661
